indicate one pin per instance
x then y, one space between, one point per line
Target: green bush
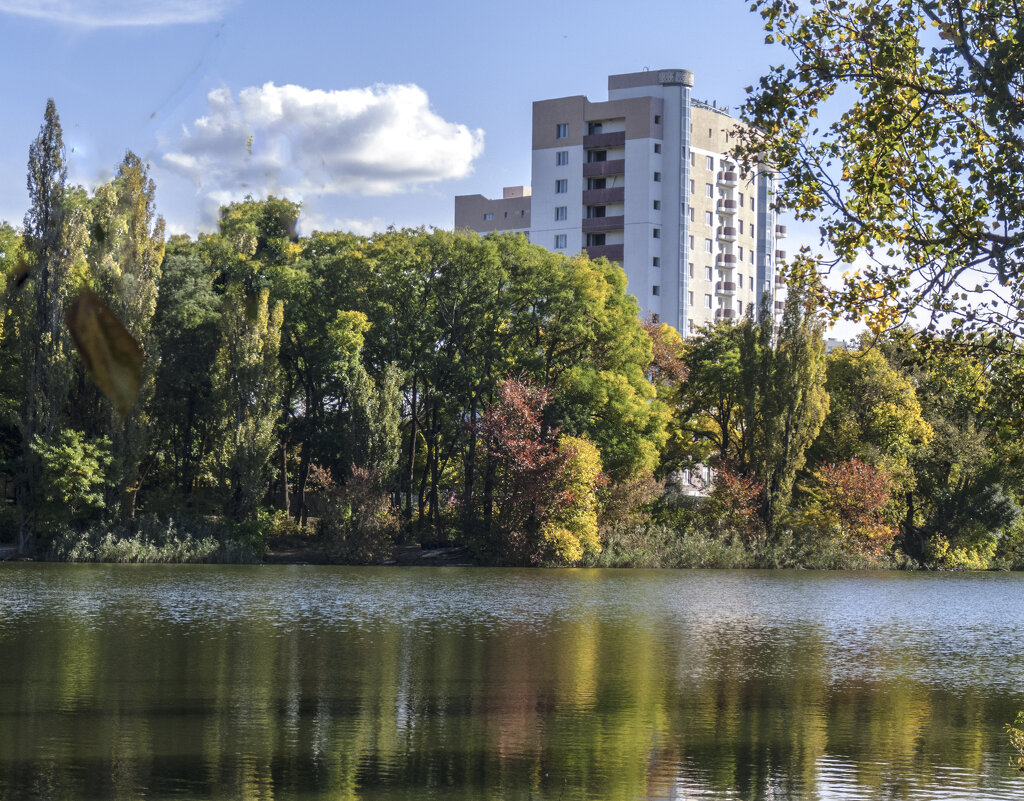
152 540
359 525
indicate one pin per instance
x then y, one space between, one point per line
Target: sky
371 114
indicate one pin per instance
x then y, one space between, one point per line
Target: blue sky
370 113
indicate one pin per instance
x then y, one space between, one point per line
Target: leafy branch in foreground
899 128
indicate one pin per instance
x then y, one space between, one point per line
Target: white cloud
118 13
298 142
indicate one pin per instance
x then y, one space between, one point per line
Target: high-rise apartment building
644 178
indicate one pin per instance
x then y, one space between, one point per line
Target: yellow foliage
942 554
572 531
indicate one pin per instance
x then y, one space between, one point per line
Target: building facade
644 178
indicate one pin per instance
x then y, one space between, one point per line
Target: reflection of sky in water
936 629
577 684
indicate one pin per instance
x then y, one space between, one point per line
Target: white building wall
640 221
543 225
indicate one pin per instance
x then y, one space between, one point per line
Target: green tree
186 327
55 236
874 415
126 251
962 498
246 384
712 411
74 473
917 164
789 402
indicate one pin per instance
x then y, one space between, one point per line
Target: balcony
780 232
726 260
725 314
780 305
610 252
616 139
727 206
725 288
594 225
726 233
728 178
596 169
595 197
780 281
780 255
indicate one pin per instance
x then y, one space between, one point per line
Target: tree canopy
899 128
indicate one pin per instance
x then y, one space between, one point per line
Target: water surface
233 682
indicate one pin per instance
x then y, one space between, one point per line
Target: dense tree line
440 387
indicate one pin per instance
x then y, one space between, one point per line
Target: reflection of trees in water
260 709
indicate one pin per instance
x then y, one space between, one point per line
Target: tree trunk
300 492
285 500
411 468
469 471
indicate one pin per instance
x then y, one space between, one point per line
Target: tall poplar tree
247 383
791 402
54 233
127 249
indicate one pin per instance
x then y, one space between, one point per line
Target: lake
266 682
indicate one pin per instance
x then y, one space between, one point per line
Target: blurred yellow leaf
111 354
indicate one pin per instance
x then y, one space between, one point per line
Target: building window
707 246
751 230
522 212
655 290
751 203
657 147
709 218
657 176
561 158
691 271
709 190
691 298
741 200
691 214
561 213
740 280
741 226
751 283
657 233
597 183
710 133
707 301
595 211
559 241
595 240
751 256
657 205
739 307
741 253
657 119
693 159
707 274
693 186
489 216
656 262
689 324
594 128
596 155
710 161
691 242
561 186
562 130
